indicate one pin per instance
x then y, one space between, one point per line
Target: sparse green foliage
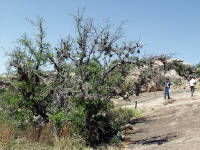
12 110
116 79
28 60
84 78
198 70
178 82
59 120
122 116
182 69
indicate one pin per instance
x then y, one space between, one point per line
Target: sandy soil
175 126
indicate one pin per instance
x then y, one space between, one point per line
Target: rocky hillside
150 77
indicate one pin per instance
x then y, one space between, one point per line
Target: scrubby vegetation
182 69
198 70
62 95
68 86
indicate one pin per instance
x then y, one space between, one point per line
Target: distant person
192 85
167 88
185 91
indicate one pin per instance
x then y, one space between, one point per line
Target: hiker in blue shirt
167 87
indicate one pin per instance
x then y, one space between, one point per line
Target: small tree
27 62
92 52
81 81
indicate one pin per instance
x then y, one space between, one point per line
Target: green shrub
198 70
178 82
58 119
181 69
121 116
12 112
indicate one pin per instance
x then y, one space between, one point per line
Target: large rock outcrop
151 77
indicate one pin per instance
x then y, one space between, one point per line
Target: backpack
167 84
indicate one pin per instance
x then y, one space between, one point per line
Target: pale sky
163 26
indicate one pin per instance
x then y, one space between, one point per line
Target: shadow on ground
156 139
140 120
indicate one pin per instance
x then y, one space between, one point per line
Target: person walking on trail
192 84
167 88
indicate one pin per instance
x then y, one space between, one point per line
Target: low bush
178 82
181 69
121 116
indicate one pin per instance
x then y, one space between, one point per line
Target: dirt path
175 126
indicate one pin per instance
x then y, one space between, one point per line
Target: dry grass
5 132
42 138
58 144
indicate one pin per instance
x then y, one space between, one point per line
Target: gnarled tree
75 75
